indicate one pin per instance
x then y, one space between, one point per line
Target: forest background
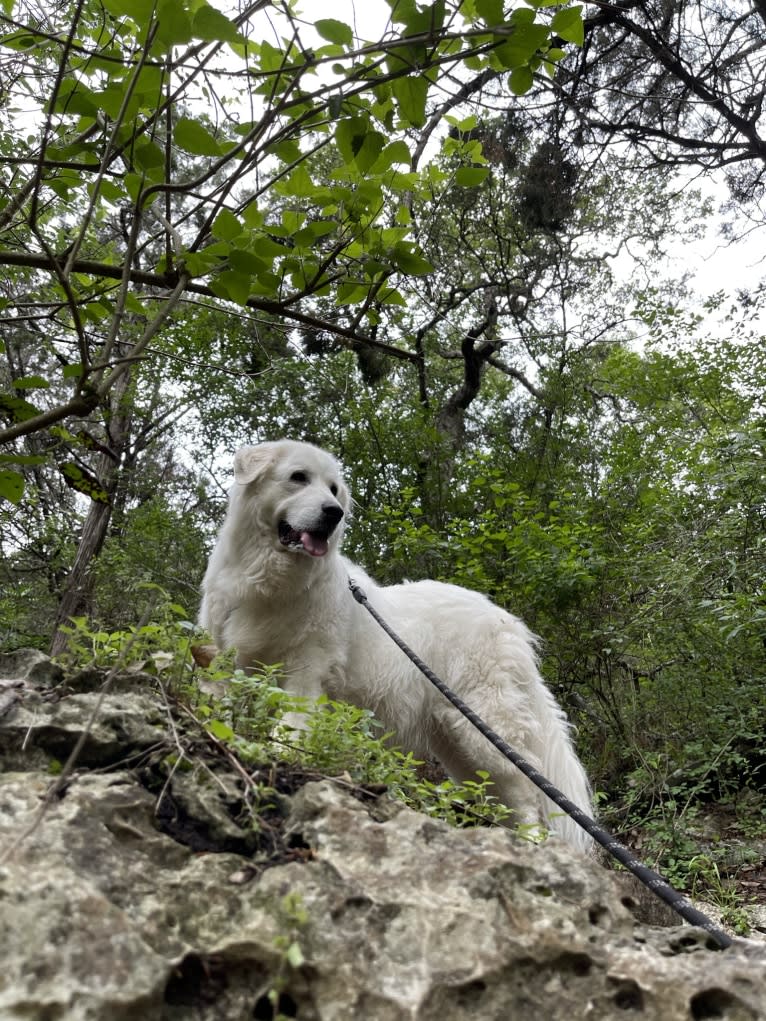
441 253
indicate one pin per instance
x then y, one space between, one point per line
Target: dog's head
294 494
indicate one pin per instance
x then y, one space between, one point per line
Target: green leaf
210 25
19 409
334 31
390 296
226 226
522 16
411 94
568 25
199 264
490 11
65 183
220 730
297 182
245 262
109 190
74 97
407 258
77 478
469 177
351 293
112 98
520 81
466 124
349 136
139 11
308 235
288 150
294 955
11 485
30 383
132 304
369 150
232 285
19 41
148 155
394 152
271 57
22 459
149 85
175 26
96 311
519 48
417 18
269 248
134 183
193 138
252 215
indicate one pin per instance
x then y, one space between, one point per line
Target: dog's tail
562 767
548 734
533 718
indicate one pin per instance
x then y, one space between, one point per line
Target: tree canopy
161 135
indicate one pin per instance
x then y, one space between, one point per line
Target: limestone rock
29 664
116 907
38 730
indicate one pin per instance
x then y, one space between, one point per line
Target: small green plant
161 646
469 803
341 738
294 918
667 811
248 710
708 884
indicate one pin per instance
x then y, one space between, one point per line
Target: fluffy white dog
276 590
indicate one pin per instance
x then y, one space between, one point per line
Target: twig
221 747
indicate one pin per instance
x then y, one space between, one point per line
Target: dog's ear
250 462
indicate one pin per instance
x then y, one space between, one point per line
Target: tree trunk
76 598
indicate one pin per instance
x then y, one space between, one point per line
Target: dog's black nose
332 513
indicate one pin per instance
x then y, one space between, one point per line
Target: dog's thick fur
276 590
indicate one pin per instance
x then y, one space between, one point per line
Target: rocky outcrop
143 891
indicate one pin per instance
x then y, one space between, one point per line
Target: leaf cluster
181 138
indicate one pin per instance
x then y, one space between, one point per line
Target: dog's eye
334 489
300 477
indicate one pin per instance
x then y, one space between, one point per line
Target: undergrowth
256 720
676 818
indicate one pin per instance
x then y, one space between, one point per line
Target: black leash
660 887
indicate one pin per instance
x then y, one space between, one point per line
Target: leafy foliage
123 137
247 713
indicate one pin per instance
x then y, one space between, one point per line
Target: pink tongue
313 544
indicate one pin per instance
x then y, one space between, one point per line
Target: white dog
276 590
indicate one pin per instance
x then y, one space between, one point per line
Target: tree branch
165 282
672 63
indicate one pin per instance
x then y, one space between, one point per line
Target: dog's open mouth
313 543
